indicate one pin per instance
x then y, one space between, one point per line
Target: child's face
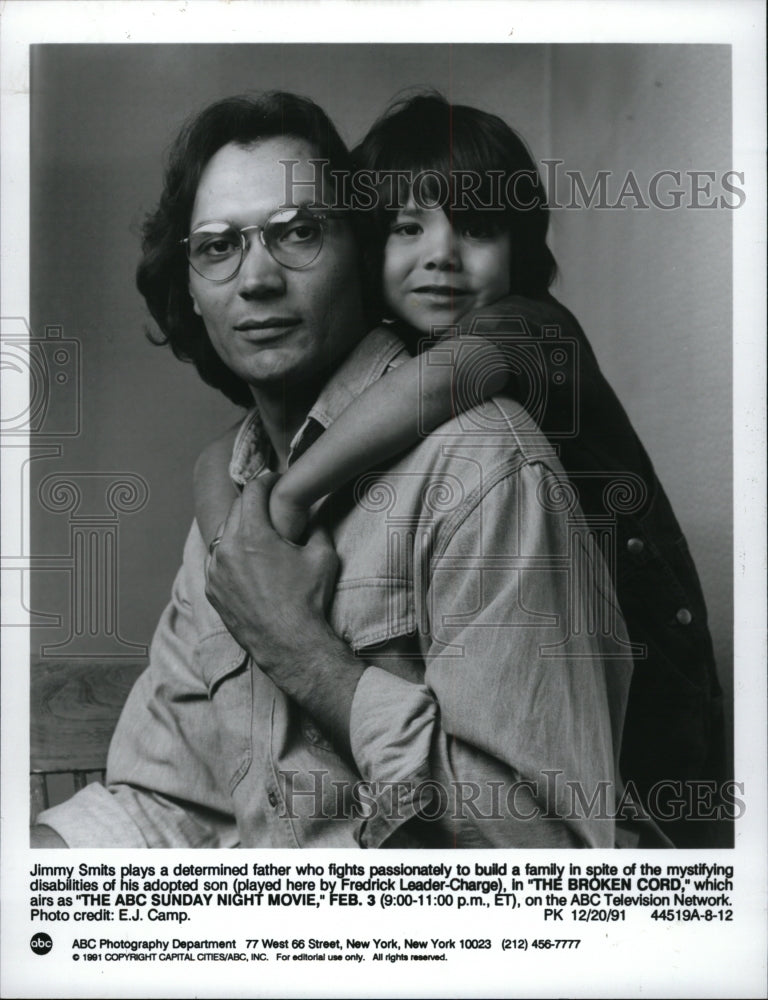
435 273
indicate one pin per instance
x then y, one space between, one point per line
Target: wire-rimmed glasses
293 237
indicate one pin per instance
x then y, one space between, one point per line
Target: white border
739 24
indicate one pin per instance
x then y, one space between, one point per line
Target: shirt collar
376 354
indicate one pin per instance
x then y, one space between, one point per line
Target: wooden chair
74 707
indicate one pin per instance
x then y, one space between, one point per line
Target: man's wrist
320 674
313 639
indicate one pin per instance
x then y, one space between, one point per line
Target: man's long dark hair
162 274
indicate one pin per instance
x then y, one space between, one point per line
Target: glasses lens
215 251
294 237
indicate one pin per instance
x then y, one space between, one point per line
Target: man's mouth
268 323
264 331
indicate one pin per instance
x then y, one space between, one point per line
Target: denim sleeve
93 818
124 816
161 788
511 739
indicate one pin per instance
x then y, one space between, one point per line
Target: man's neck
283 409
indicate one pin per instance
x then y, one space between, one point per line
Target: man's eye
301 232
217 246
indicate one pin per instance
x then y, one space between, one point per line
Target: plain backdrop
652 288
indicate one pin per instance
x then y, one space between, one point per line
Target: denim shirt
497 665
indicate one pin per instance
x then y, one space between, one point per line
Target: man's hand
273 597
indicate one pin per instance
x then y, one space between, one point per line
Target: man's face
269 324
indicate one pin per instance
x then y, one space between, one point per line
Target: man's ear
195 306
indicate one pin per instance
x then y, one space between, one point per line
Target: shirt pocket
226 672
372 612
368 614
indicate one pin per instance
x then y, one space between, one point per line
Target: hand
273 597
271 594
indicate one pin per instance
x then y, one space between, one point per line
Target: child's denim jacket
674 729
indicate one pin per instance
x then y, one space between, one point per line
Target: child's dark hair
471 163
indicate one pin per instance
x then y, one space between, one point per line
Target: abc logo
41 943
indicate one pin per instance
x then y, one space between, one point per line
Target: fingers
250 511
255 497
217 537
320 538
288 519
250 516
322 550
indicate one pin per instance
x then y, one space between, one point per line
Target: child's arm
389 417
214 490
412 400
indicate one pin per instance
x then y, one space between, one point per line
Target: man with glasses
413 675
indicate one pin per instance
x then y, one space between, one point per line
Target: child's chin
426 322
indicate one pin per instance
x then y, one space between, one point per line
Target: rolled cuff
391 730
93 818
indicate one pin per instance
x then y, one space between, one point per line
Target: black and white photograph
381 438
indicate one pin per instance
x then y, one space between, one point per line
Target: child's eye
479 231
405 229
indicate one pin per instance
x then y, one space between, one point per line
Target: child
480 264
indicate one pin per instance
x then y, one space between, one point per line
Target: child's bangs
452 164
444 178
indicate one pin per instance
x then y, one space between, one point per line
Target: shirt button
635 546
684 616
272 799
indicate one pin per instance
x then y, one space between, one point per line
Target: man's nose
442 248
260 276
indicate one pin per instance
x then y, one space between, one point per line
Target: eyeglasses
292 237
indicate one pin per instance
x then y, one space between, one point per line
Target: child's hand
289 518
